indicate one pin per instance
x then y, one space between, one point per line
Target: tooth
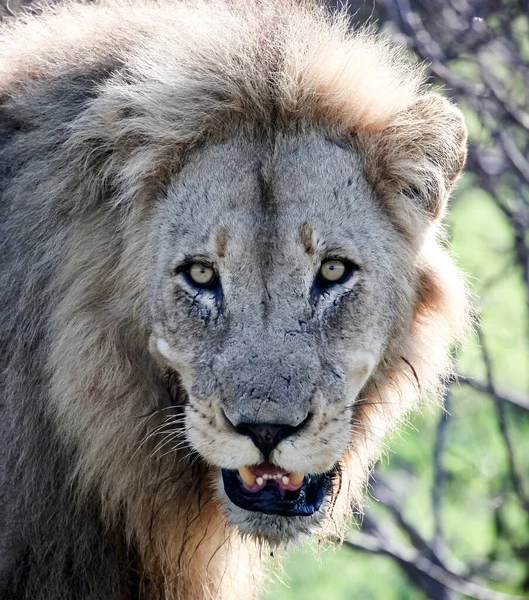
259 481
296 478
285 479
247 476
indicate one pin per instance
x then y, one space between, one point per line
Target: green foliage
339 574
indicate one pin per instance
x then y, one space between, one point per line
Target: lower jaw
272 501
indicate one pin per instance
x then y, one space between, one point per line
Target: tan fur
201 71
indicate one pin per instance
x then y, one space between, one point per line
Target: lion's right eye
332 270
335 270
201 275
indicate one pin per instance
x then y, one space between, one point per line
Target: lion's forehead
255 191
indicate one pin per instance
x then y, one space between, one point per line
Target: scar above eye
305 237
221 242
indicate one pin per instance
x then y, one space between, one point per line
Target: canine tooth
285 479
247 476
296 478
259 481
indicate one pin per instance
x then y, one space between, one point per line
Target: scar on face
306 238
221 242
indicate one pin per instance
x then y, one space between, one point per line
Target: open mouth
268 489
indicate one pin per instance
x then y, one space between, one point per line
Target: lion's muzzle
268 488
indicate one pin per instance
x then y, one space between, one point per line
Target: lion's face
279 283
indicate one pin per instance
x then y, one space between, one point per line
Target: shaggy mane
105 100
219 55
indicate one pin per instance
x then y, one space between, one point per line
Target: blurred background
447 514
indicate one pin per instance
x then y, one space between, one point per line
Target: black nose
266 436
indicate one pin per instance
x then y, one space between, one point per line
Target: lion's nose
267 436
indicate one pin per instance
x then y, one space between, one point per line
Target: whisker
158 431
357 422
167 423
162 429
414 373
175 449
166 440
155 411
367 402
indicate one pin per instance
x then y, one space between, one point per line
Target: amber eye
334 271
201 275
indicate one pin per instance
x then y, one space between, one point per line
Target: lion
224 280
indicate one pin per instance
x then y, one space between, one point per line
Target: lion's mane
99 105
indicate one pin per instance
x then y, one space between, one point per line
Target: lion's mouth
268 489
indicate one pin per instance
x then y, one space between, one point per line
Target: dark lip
271 501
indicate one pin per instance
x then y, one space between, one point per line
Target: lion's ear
414 161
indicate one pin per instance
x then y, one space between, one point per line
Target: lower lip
270 500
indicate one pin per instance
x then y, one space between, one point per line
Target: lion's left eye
201 275
334 271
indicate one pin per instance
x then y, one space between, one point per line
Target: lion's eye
334 271
201 275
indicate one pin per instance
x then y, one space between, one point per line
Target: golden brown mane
105 100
